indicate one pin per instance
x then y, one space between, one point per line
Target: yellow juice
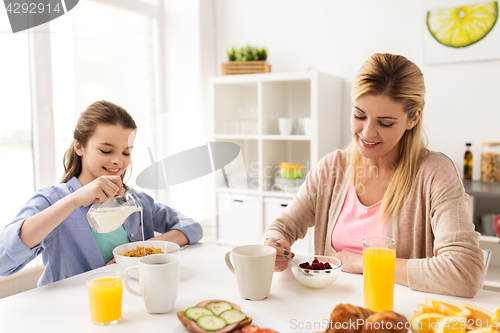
105 296
379 267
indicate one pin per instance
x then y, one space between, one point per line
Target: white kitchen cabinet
485 199
245 110
272 207
236 219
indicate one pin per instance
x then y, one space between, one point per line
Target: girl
388 184
53 222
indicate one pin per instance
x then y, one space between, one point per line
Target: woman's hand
351 262
100 190
283 250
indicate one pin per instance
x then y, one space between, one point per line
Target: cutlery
177 250
306 273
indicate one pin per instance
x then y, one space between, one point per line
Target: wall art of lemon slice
464 25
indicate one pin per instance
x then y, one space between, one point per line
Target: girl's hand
100 190
351 262
112 261
283 250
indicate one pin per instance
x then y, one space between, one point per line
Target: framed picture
468 32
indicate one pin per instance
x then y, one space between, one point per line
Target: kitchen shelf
236 137
279 194
490 239
239 191
482 189
286 137
245 110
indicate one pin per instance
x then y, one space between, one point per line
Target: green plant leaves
247 53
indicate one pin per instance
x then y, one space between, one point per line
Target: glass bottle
468 162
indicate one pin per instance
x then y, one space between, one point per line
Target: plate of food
219 316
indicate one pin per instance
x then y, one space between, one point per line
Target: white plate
259 319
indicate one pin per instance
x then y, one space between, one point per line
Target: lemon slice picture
464 25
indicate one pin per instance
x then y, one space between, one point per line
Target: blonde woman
386 183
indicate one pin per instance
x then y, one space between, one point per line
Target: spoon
300 268
181 248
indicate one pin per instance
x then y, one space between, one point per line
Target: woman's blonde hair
102 112
401 80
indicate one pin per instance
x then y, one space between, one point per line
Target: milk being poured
107 219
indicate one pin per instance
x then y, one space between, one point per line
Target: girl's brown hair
101 112
401 80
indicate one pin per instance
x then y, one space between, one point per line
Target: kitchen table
63 306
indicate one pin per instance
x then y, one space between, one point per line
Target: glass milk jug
109 215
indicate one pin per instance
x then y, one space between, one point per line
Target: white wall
190 61
462 100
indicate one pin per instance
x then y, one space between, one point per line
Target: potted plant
246 60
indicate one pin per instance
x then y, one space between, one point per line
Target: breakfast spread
440 315
348 318
215 316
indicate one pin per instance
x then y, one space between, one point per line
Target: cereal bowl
126 262
316 278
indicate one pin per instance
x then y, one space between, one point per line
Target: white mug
253 267
307 126
286 125
159 276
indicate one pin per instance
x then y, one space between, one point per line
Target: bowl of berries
316 271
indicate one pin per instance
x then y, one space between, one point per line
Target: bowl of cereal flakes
128 255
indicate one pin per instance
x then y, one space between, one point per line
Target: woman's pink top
356 221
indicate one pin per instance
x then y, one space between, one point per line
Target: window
111 52
16 154
104 49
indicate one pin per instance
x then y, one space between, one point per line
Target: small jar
490 162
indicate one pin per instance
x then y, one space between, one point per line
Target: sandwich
214 316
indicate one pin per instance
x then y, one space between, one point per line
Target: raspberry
316 265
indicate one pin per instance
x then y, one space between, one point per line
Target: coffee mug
159 276
286 126
253 266
307 126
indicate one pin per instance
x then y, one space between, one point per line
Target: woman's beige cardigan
433 229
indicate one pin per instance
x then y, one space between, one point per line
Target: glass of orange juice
105 297
379 270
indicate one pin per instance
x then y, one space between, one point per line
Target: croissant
347 318
387 322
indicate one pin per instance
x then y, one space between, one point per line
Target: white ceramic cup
286 125
307 126
159 276
253 266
